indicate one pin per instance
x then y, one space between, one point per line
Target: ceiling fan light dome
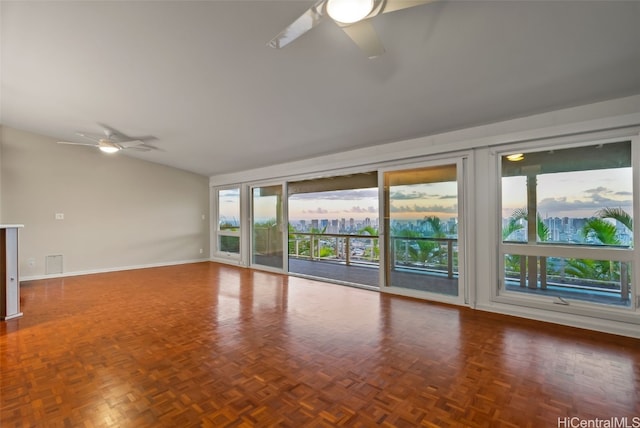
349 11
107 146
109 149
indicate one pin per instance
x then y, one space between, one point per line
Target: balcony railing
364 250
616 281
439 256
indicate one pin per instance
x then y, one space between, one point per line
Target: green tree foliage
437 227
229 243
515 223
617 214
605 233
415 250
304 242
371 231
600 229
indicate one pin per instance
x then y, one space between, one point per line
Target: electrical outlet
200 250
59 216
31 263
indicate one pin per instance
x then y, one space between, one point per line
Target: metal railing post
450 258
348 250
311 247
624 281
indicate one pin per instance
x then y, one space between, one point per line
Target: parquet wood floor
217 346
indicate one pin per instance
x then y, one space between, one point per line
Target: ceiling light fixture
349 11
515 157
108 147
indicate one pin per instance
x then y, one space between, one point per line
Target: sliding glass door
267 227
422 209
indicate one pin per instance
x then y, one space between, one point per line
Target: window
228 230
567 225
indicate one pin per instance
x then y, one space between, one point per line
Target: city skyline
578 194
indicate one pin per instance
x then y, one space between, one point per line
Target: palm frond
617 214
602 230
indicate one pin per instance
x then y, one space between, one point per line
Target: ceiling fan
112 141
353 16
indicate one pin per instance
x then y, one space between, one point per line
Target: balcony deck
368 275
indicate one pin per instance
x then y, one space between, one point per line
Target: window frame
500 294
218 233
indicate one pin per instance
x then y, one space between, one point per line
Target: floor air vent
54 264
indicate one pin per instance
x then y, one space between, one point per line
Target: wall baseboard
594 324
114 269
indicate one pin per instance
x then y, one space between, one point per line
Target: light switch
59 216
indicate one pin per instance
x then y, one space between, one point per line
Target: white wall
1 219
119 212
602 115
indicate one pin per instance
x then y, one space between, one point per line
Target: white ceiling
199 76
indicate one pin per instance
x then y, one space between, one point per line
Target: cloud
397 196
424 209
318 210
338 195
360 210
563 206
597 190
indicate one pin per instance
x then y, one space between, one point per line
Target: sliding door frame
284 222
464 170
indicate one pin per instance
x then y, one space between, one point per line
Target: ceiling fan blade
393 5
77 144
138 148
113 133
130 143
365 36
297 28
145 138
119 137
89 136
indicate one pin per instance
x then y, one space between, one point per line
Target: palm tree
600 229
512 261
371 231
515 224
437 227
617 214
304 243
592 269
605 233
419 249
